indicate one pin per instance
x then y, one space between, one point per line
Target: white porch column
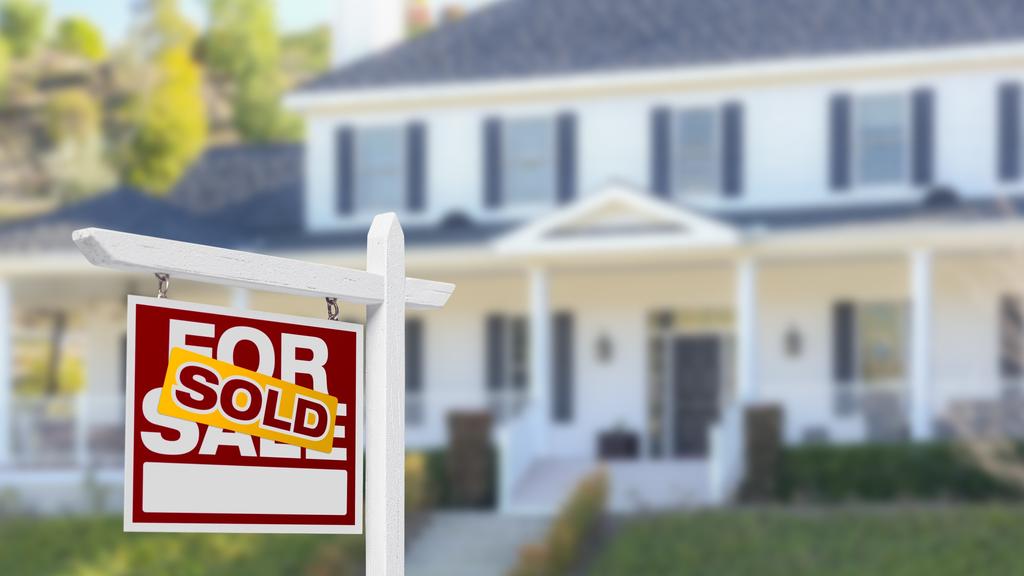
540 354
6 382
746 331
920 343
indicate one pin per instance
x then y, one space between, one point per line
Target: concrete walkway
471 543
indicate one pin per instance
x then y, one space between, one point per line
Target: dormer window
697 152
379 168
881 139
529 162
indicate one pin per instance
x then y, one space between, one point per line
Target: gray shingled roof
531 38
123 209
255 187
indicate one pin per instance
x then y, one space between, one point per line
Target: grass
97 546
937 541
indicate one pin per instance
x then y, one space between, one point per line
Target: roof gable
617 217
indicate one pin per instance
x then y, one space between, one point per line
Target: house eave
633 82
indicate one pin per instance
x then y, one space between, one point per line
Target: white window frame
717 147
856 144
509 200
359 195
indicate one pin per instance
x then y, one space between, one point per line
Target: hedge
563 545
885 472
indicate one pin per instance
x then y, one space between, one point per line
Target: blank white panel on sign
206 488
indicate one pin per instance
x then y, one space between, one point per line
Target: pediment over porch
619 217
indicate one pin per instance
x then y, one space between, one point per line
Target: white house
657 212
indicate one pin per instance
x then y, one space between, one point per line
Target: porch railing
728 455
517 446
63 431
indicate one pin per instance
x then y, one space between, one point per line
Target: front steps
635 486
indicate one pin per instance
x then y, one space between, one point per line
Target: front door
694 384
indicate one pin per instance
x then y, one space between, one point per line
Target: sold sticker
220 394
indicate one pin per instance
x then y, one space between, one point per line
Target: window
529 161
508 367
1011 338
379 168
881 139
414 402
881 333
697 152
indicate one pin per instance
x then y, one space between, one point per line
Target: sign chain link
163 283
332 308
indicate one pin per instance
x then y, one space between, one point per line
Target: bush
885 472
563 544
418 488
441 483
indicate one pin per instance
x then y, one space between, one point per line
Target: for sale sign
241 421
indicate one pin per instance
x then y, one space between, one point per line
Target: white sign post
382 287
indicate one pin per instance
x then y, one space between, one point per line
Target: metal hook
163 283
332 308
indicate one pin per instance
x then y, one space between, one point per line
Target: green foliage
5 67
242 45
79 36
23 25
169 124
35 380
306 53
99 547
439 485
242 37
577 520
72 115
938 541
166 121
884 473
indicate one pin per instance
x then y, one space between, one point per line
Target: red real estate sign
270 381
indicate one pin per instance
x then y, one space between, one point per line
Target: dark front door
695 383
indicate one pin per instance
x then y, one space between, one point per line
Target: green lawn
98 547
941 541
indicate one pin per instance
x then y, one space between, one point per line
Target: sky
113 15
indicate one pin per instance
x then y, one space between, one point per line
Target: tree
79 36
166 121
75 163
23 24
242 46
5 67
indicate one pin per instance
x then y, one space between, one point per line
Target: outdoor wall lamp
604 348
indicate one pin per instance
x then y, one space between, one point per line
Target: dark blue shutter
413 355
843 354
1009 131
661 161
492 167
924 137
566 157
495 347
839 156
732 149
562 408
416 174
344 142
1011 337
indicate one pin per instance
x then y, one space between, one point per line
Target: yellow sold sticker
220 394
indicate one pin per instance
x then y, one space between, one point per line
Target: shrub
885 472
418 489
563 544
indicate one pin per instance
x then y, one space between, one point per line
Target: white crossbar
136 253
